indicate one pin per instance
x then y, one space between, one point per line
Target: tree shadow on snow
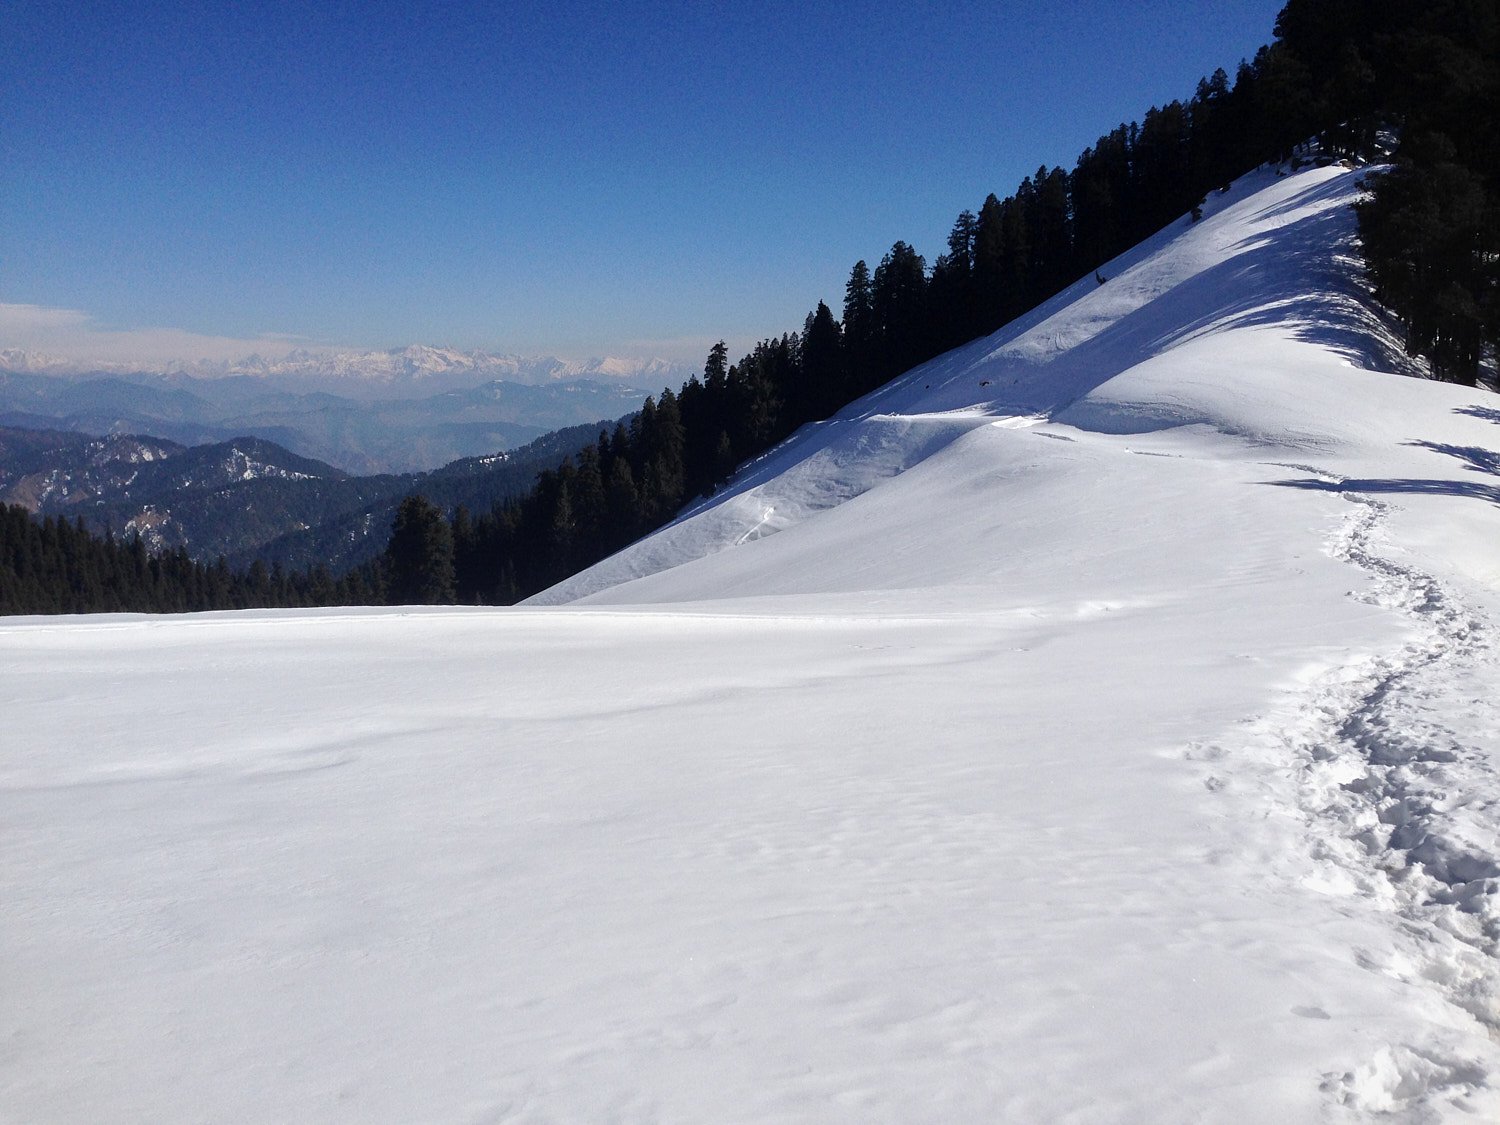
1285 277
1475 458
1329 305
1487 413
1470 489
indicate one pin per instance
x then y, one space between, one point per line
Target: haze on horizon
622 179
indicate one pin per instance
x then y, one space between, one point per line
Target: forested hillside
103 522
1355 76
53 566
1361 79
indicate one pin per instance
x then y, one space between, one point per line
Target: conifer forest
1412 86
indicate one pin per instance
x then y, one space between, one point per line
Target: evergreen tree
1429 235
420 555
859 332
989 272
622 506
822 351
587 489
898 296
716 369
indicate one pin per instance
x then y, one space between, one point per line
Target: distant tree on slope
419 559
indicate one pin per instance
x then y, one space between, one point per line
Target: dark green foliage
898 302
859 329
419 558
53 566
1430 239
356 532
822 385
1343 71
1430 229
1329 75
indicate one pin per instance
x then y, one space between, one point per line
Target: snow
417 368
1097 724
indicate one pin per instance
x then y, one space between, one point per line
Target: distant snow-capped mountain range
396 372
405 410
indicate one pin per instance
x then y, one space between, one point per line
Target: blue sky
595 178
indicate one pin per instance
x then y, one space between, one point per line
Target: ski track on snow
953 889
1398 812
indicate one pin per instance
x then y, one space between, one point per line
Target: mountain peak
392 372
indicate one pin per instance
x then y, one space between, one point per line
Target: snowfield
1097 724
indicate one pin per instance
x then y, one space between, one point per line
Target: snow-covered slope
1250 324
1097 724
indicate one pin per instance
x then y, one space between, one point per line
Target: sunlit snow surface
1098 724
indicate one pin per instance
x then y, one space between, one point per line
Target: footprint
1403 1077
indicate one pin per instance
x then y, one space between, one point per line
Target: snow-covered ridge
1220 368
1271 258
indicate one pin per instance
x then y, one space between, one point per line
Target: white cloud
38 318
75 337
69 340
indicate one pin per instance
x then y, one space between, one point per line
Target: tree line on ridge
1347 72
1352 73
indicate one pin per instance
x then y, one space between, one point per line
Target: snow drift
1095 724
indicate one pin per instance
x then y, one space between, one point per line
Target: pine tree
859 332
622 504
716 369
822 362
899 301
420 555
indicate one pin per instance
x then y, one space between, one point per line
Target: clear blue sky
575 180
